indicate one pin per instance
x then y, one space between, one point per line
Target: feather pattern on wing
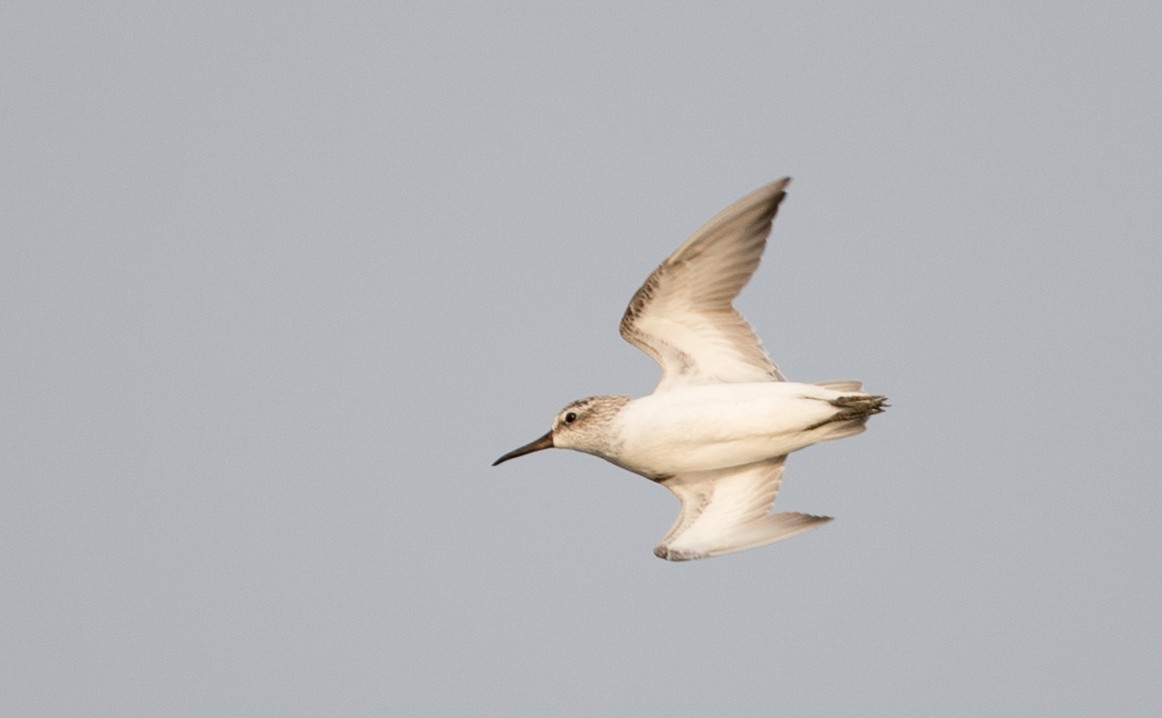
726 510
682 315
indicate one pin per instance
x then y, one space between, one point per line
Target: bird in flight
719 426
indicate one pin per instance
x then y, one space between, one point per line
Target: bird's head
584 425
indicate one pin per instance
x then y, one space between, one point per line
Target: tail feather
856 405
832 430
843 386
853 412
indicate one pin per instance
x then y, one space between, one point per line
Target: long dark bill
545 442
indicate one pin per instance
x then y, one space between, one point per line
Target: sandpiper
720 424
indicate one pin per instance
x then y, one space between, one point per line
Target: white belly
720 425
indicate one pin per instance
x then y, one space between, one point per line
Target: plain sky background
278 281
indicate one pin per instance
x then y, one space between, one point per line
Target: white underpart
721 426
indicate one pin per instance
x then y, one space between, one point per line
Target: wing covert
726 510
682 315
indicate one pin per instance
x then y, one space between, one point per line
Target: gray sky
279 281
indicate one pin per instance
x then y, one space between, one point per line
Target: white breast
714 426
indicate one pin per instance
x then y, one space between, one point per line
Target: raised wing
726 510
682 316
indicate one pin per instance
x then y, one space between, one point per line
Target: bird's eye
570 417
